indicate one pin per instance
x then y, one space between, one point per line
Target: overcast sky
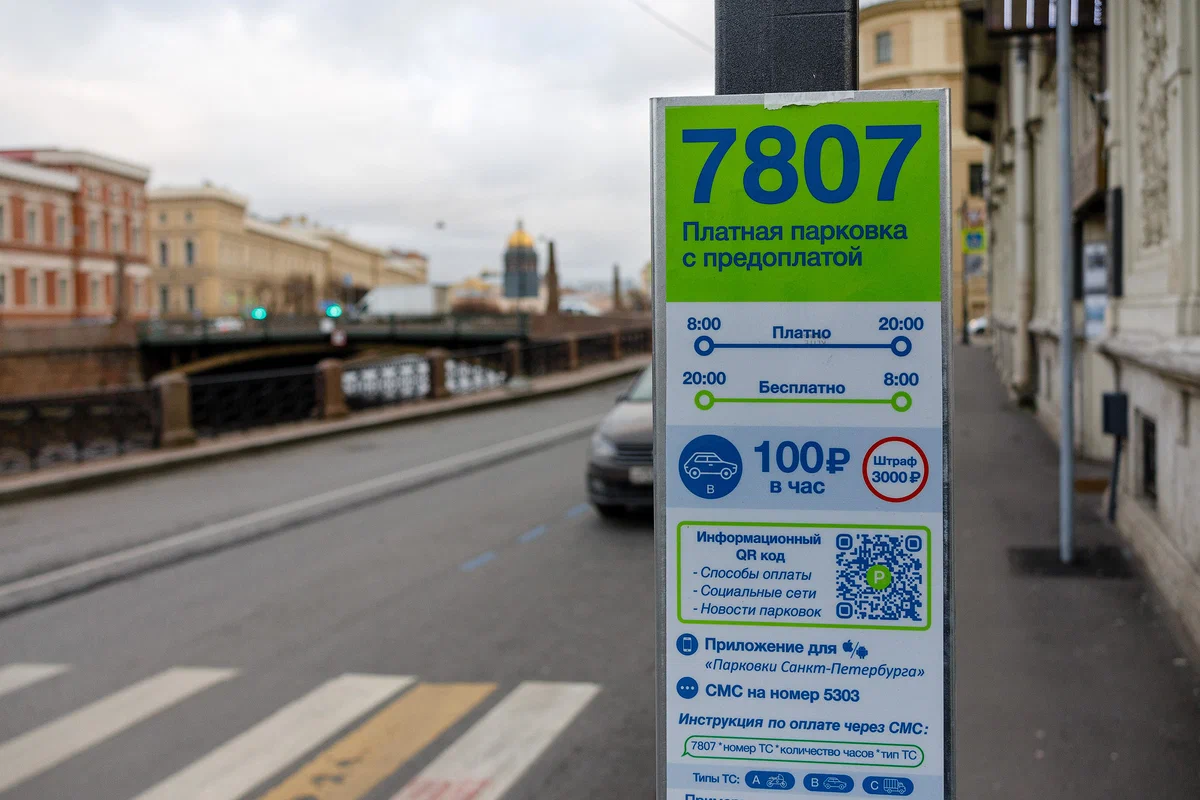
377 116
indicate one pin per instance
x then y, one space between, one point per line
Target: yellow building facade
352 267
211 258
910 44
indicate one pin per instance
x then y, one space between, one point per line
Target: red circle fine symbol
924 473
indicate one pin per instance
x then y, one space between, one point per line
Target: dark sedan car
620 473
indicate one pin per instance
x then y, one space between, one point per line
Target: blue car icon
709 464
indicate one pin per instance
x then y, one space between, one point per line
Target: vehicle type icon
824 782
892 787
710 467
709 464
775 781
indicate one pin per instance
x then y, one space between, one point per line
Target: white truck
420 300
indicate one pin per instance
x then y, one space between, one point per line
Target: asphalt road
500 577
38 535
488 637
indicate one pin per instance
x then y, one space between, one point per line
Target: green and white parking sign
801 260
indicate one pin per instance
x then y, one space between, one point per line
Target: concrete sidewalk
1068 687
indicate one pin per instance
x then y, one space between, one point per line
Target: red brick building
72 238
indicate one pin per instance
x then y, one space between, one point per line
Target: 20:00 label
704 379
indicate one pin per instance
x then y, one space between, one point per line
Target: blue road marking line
575 511
530 535
478 561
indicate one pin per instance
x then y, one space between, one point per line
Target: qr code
881 577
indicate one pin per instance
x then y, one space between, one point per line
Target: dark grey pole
1066 342
786 46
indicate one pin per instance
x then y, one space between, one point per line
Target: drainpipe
1020 380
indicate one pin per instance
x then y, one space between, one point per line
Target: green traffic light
333 310
258 312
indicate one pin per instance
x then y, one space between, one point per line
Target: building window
116 238
93 235
3 289
883 47
94 293
162 254
137 295
190 293
34 298
162 218
31 226
60 230
115 193
135 244
976 187
64 298
187 216
1149 459
164 299
189 252
1 221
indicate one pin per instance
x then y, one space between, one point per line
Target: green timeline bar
901 401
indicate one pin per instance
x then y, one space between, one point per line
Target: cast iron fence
43 431
380 383
237 402
595 349
473 371
284 328
545 358
635 341
405 378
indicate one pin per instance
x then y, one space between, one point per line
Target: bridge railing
175 409
546 357
292 328
238 402
385 382
635 341
471 371
596 348
48 430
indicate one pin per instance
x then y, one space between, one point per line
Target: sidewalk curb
89 573
122 468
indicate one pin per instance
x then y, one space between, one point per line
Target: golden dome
520 238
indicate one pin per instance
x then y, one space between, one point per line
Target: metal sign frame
658 107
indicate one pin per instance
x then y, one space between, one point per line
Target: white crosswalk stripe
250 758
492 755
38 750
484 763
18 676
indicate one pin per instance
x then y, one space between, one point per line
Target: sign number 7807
724 138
